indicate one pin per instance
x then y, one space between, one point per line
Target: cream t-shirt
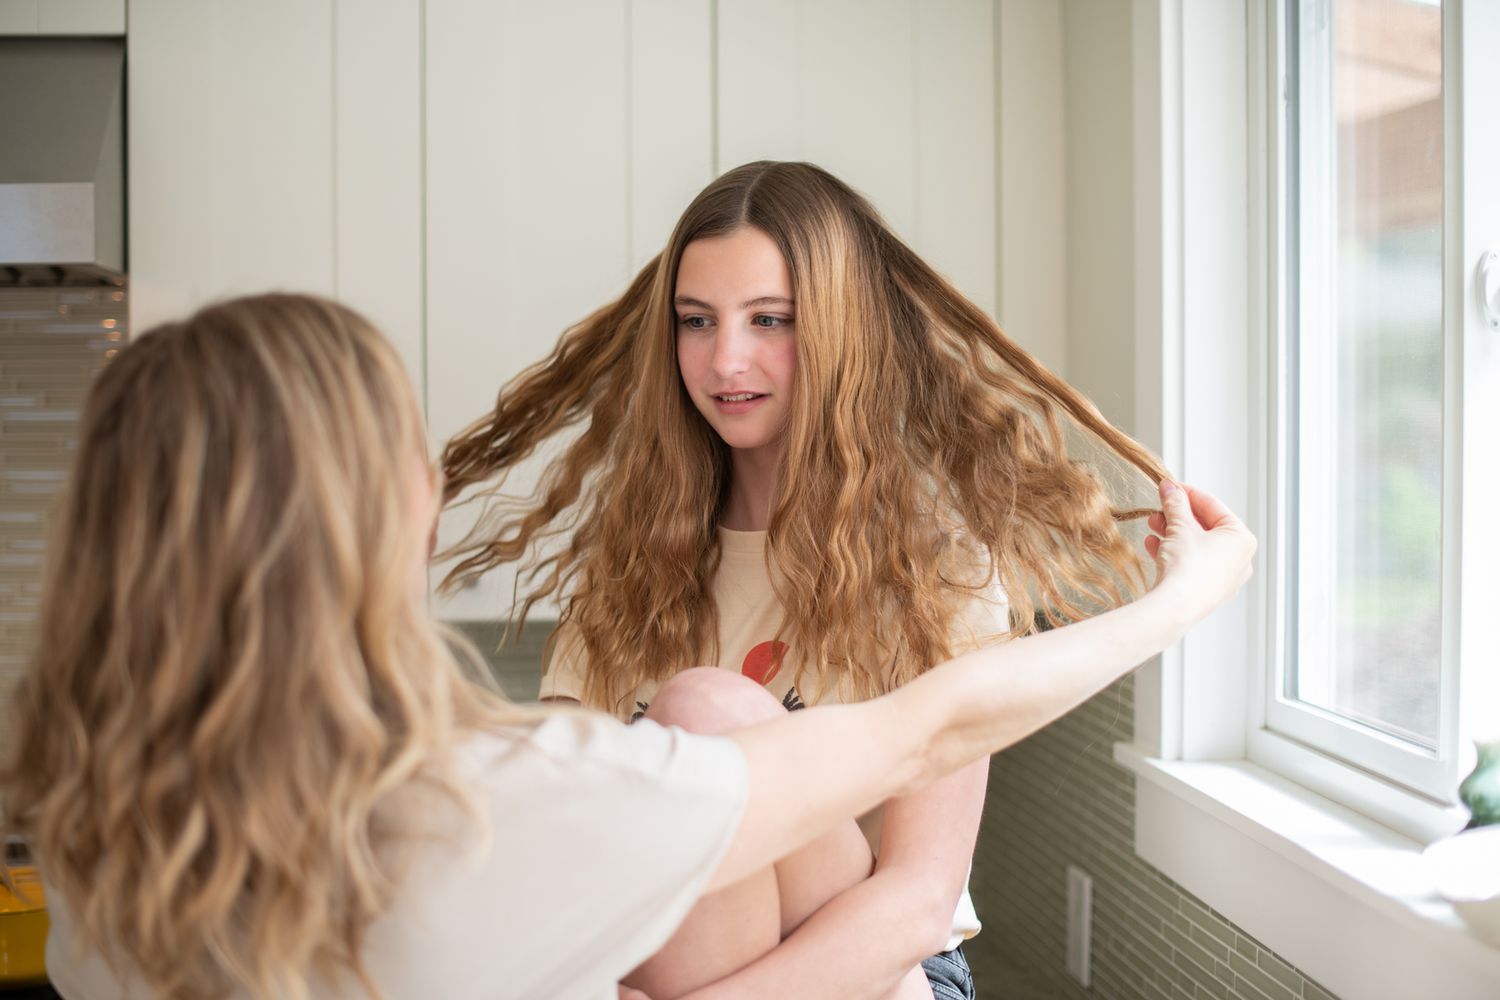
601 838
749 615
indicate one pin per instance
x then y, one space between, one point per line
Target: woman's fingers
1210 510
1186 504
1177 511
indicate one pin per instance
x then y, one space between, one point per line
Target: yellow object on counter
23 930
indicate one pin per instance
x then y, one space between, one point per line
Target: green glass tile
1210 922
1312 991
1211 944
1280 971
1253 974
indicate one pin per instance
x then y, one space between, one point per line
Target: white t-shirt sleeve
982 621
602 837
563 674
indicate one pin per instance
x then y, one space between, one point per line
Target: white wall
276 145
476 175
1065 149
62 17
1032 175
1100 206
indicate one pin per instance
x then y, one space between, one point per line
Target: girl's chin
740 434
746 444
739 439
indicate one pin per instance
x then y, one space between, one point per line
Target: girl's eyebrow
764 300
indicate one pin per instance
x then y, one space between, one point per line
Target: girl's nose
731 353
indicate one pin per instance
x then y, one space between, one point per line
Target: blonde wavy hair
921 442
235 663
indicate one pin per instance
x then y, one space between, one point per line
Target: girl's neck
752 480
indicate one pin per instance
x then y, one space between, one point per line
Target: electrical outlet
1080 919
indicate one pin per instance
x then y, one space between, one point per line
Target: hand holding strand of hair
1203 552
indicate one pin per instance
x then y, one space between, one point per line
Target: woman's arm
848 758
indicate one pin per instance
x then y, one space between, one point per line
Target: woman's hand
1202 551
626 993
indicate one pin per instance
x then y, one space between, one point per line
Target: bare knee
711 700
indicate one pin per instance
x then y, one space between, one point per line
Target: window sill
1345 900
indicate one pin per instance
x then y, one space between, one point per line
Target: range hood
62 154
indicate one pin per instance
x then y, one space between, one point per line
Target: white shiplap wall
476 175
62 17
276 145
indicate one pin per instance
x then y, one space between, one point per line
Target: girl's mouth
737 402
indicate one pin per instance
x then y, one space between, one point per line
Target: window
1361 671
1312 255
1381 655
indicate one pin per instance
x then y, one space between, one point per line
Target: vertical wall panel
170 180
758 47
526 205
272 140
828 81
231 151
896 97
1101 212
81 17
859 99
955 144
1032 168
671 117
378 168
62 17
20 17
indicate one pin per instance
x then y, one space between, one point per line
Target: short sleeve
563 676
982 620
601 838
579 846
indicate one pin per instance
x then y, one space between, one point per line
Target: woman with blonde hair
805 458
250 764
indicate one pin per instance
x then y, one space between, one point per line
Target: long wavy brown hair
235 664
921 439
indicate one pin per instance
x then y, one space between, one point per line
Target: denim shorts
948 975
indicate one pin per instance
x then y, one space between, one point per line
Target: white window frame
1432 774
1318 859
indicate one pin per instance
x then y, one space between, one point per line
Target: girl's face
736 341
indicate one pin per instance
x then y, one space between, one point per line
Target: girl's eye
770 322
694 322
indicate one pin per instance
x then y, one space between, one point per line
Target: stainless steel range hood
62 206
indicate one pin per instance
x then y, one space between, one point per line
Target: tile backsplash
53 342
1057 799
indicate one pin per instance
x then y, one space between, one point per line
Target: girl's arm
848 758
861 943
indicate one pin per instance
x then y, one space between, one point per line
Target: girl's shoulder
981 612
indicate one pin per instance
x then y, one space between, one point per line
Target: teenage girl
806 459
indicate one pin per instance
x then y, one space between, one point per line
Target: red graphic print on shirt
763 662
